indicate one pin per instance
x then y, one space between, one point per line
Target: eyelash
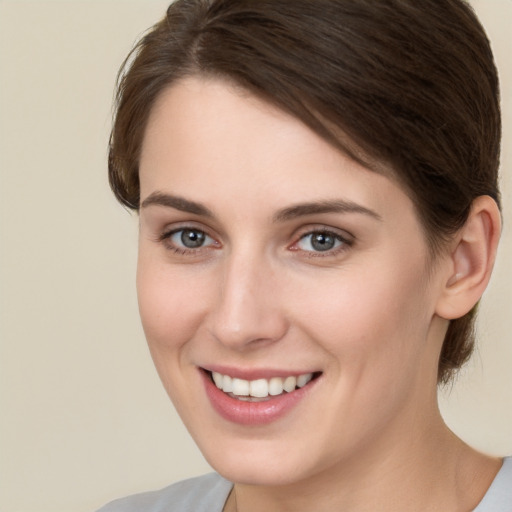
166 239
344 242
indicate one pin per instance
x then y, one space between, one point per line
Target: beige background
83 416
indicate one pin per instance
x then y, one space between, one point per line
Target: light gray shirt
208 493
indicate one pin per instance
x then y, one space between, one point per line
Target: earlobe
471 260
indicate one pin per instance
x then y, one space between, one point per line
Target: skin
369 314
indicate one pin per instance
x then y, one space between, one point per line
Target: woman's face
268 257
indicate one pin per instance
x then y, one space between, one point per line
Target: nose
249 312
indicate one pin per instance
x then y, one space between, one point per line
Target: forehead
211 139
216 90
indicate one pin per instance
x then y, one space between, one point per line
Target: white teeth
260 388
241 387
302 380
275 386
289 384
227 384
218 379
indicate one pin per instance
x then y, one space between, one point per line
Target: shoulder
206 493
499 496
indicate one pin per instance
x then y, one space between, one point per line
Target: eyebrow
286 214
329 206
178 203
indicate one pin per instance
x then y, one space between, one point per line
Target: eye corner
329 242
187 240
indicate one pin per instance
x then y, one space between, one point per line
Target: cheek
171 305
373 323
376 337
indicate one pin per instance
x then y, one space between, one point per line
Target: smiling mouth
260 390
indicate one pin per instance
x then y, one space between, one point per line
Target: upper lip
256 373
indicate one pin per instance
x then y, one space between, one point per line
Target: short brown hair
410 83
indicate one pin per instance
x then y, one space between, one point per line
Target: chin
260 473
260 461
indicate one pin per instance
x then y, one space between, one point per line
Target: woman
317 190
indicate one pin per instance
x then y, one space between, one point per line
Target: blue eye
320 241
188 238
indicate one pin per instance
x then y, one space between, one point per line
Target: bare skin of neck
435 472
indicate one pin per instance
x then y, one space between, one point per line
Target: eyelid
166 234
173 227
323 228
346 238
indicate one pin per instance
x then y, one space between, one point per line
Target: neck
427 471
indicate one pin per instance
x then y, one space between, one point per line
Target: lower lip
253 413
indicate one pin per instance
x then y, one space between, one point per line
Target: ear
471 260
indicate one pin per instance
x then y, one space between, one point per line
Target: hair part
409 84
